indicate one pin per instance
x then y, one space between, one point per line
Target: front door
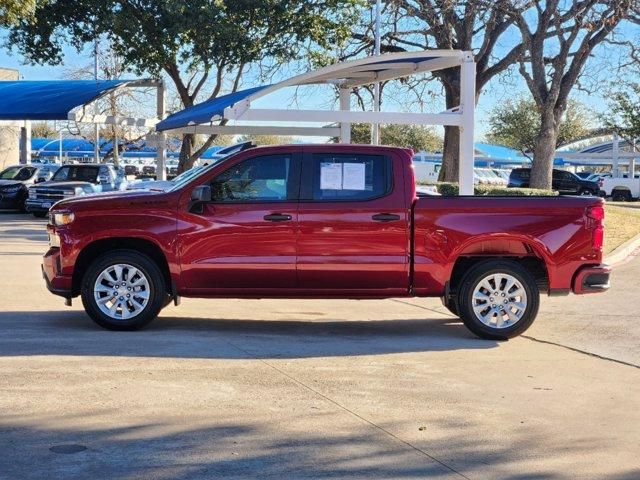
353 226
244 241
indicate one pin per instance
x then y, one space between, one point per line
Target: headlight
11 189
63 218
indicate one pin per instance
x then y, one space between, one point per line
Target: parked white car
621 189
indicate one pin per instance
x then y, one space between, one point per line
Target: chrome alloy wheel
499 300
121 291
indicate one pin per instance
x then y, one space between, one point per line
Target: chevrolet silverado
322 221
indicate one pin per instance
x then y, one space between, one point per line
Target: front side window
260 179
350 177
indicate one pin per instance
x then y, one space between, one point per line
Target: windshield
76 173
182 179
17 173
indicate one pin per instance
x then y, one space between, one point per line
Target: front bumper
11 200
592 279
38 206
57 283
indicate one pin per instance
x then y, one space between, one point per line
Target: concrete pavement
312 389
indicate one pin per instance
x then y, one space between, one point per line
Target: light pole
375 128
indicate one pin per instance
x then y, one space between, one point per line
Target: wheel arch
98 247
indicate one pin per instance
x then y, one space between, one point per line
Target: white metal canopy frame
81 114
347 75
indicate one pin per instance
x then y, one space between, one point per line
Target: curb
623 252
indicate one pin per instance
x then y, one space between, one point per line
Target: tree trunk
451 151
186 152
544 152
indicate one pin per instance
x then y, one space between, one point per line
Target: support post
161 147
632 160
467 106
615 156
345 104
25 143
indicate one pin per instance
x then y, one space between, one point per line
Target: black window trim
293 189
306 187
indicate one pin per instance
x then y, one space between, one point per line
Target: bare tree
552 64
455 24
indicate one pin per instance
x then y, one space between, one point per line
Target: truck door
353 225
244 241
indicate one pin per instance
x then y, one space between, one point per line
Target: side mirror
201 193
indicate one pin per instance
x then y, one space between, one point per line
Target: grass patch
621 223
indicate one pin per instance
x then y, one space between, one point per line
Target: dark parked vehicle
15 181
131 170
566 183
72 180
149 170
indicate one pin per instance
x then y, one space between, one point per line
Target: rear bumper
593 279
57 283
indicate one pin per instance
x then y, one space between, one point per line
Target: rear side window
350 177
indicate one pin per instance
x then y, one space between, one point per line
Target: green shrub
452 189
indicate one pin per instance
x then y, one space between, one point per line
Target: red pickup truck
322 221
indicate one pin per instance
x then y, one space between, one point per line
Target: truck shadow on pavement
73 333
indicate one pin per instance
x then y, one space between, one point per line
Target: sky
601 73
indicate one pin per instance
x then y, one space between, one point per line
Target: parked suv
566 183
72 180
15 181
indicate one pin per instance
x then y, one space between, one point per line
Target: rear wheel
621 196
123 290
498 299
586 192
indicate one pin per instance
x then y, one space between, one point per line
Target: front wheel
586 192
123 290
40 214
498 299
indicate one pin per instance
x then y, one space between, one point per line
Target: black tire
40 214
586 191
479 272
621 196
157 293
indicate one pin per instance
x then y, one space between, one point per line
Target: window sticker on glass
331 176
353 177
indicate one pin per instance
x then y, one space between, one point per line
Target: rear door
353 225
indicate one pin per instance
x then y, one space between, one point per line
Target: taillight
596 215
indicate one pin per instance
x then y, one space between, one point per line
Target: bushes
451 190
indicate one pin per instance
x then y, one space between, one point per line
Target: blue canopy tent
25 100
50 99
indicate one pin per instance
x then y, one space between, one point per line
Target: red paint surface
332 248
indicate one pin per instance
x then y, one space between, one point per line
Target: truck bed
552 229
